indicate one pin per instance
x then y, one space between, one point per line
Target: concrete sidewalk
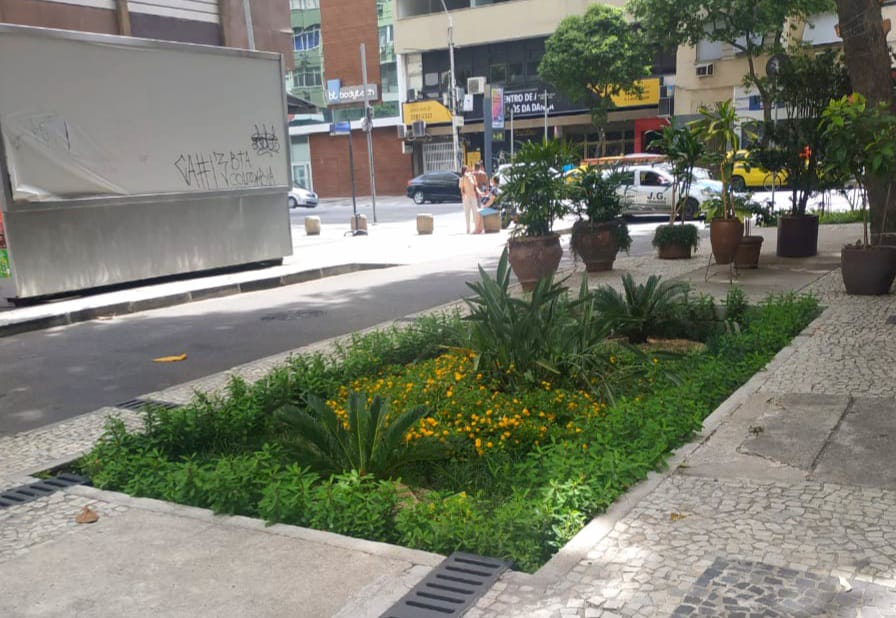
784 506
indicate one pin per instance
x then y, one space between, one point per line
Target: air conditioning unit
666 107
413 94
402 131
419 128
476 85
704 70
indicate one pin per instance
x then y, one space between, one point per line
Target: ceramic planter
724 236
532 258
747 254
797 236
595 244
868 270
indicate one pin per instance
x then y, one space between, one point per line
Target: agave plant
369 440
641 310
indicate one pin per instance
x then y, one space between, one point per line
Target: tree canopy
752 27
592 57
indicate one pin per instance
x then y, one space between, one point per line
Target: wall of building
481 25
330 164
345 24
89 17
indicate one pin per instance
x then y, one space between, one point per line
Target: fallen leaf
676 516
170 359
86 516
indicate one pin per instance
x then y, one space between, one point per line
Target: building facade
500 44
327 39
209 22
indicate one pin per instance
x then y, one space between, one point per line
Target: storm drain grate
137 404
298 314
451 588
39 489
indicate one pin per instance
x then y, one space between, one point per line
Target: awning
298 105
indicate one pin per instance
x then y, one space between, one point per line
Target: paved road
47 376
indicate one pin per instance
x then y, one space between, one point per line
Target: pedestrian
481 179
468 196
488 200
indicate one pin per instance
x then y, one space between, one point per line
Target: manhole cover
298 314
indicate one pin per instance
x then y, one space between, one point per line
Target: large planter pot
747 254
532 258
673 251
797 236
595 244
868 270
724 236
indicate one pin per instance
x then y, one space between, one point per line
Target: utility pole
545 116
511 132
452 99
487 129
250 29
367 124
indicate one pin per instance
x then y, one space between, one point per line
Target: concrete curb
382 550
203 293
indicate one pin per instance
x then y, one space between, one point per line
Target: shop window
516 73
497 74
532 69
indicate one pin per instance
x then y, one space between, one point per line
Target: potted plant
683 149
675 242
537 188
862 142
717 126
803 86
599 232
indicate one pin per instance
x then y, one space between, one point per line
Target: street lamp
452 99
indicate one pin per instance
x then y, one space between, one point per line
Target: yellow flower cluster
468 413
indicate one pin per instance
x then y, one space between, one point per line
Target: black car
441 186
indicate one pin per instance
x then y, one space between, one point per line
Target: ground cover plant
499 433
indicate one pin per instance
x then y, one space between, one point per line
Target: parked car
751 176
300 196
438 186
647 190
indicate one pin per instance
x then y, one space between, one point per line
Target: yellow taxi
751 176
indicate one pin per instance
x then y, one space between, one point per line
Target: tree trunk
868 61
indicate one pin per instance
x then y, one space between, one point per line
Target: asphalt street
51 375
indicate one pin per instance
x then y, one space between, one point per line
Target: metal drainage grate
39 489
451 588
298 314
138 404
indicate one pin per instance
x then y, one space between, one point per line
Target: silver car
300 196
647 190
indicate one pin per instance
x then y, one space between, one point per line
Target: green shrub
641 310
355 505
685 235
849 216
364 438
288 497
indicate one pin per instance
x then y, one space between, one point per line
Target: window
309 38
305 78
532 69
708 50
820 29
497 74
303 5
379 9
385 36
515 73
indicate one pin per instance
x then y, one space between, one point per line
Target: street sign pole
368 128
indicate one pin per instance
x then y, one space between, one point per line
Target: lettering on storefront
431 112
528 102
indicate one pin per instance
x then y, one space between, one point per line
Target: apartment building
502 42
210 22
326 38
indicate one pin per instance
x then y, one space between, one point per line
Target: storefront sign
337 95
497 108
431 112
650 95
530 102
